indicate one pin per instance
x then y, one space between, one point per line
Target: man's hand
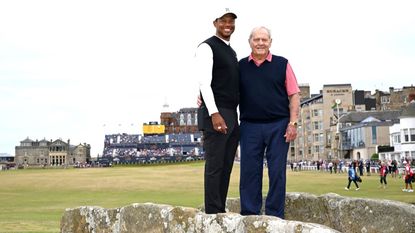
219 123
290 133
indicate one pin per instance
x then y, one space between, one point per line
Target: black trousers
354 181
220 150
383 180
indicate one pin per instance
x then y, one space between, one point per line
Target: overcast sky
79 69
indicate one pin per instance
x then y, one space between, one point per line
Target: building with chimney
51 153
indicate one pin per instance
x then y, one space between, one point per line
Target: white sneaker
404 190
410 191
357 189
346 188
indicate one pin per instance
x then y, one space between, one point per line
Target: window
317 112
374 135
189 119
307 127
412 131
384 99
405 135
316 137
318 125
316 149
396 138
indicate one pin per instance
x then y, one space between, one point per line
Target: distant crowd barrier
373 169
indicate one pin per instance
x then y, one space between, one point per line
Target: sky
81 69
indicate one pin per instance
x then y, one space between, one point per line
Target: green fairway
33 200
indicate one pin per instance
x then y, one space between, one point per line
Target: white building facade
402 136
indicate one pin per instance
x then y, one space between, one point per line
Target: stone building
304 91
395 99
362 132
318 135
182 121
319 126
310 141
51 153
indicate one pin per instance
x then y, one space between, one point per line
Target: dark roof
368 124
27 140
409 111
336 85
315 97
357 117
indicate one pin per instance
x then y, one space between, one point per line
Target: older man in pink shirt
269 108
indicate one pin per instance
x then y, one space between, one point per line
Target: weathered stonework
155 218
303 212
346 214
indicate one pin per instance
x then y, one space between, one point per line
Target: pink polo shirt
291 84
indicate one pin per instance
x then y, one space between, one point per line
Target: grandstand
137 148
175 139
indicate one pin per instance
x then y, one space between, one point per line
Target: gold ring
219 127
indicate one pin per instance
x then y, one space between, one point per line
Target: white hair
259 28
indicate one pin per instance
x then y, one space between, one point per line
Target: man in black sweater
218 73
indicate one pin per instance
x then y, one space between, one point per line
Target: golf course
34 200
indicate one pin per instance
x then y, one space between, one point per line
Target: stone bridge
303 213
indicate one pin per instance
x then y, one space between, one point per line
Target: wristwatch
293 123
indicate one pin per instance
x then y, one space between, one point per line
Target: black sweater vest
225 74
262 90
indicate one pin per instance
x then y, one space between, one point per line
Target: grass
33 200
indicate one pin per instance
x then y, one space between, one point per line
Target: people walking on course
341 163
394 168
335 166
352 177
331 167
367 164
360 164
383 172
408 176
